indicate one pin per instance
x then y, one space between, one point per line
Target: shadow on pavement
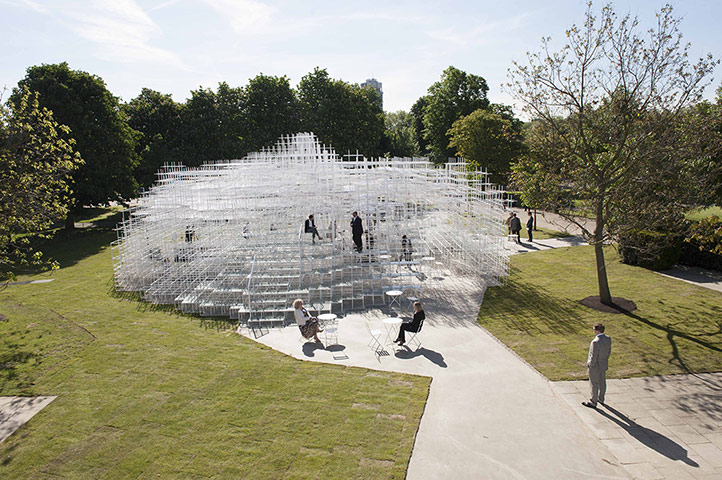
432 356
310 347
654 440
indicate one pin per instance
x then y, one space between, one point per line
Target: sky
175 46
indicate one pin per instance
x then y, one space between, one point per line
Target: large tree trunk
604 296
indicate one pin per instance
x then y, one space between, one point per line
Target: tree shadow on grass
11 359
142 305
208 323
516 298
672 333
648 437
68 248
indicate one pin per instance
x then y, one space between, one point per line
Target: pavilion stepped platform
261 289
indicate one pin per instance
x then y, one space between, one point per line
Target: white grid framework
227 239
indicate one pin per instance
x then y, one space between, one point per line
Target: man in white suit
597 363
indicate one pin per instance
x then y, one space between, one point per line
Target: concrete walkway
552 221
698 276
489 415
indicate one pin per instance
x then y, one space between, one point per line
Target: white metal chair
330 332
413 337
375 341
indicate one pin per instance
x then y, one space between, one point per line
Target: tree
457 94
608 135
36 162
400 131
344 116
270 110
705 125
156 118
417 113
103 138
489 138
212 125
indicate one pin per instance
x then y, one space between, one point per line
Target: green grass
146 392
697 215
97 214
677 327
545 233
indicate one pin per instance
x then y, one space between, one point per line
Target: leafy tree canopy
489 138
82 102
457 94
270 111
609 135
37 160
212 125
156 118
345 116
400 131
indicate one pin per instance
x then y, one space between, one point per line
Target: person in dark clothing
515 225
530 226
413 326
406 249
357 231
310 227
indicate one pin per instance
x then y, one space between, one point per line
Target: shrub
652 250
703 245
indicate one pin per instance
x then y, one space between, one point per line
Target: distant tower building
376 85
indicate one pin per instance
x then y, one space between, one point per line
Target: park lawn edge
537 315
100 381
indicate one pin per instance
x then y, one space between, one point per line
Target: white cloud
484 33
162 5
120 29
27 4
244 16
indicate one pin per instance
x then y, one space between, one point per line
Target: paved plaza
490 415
667 427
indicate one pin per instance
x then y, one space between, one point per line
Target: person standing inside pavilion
357 231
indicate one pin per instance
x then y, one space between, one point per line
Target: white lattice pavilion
227 238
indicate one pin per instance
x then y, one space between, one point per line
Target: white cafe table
327 317
392 324
394 297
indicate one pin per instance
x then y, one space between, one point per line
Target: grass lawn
545 233
146 392
98 214
697 215
677 327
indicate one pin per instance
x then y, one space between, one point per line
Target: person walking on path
530 226
597 363
508 223
515 225
357 231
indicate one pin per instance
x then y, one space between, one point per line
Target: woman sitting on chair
412 326
308 325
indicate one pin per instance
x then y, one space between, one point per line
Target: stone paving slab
665 427
15 411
